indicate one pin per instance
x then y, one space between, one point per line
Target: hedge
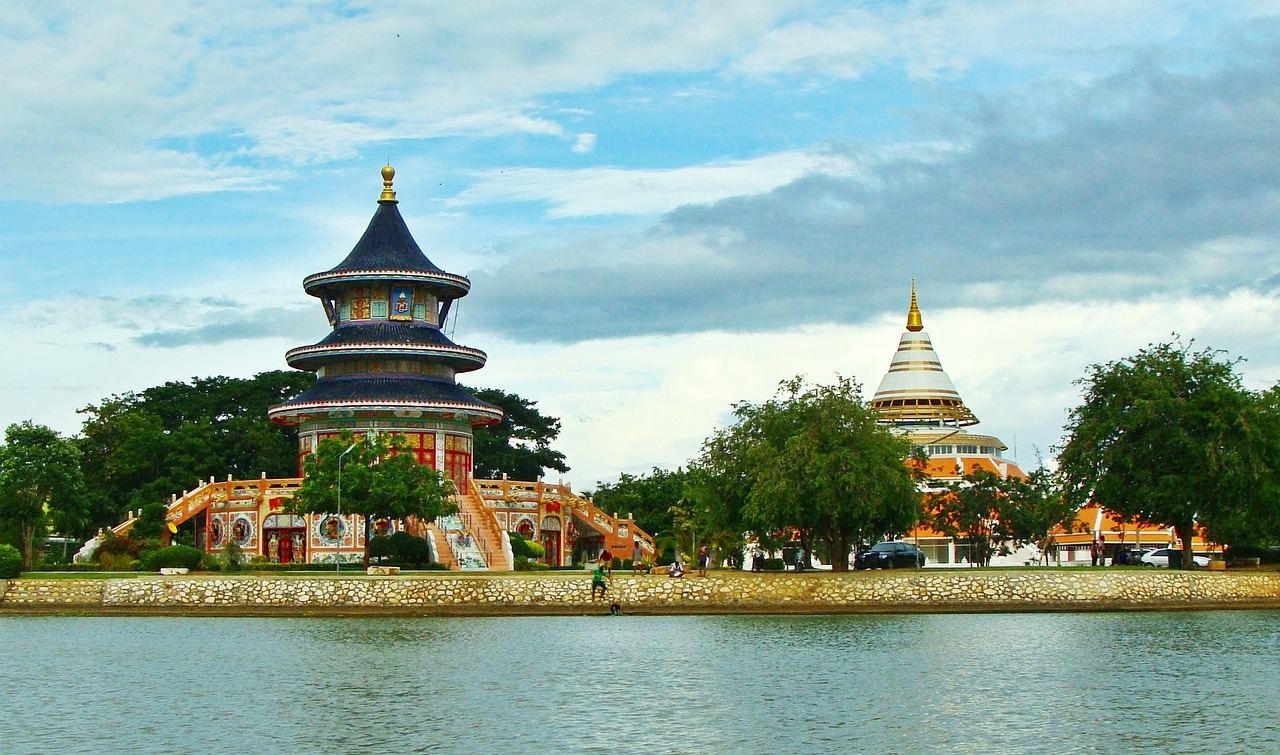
10 562
171 557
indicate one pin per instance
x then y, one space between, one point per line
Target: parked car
1131 557
890 554
1161 557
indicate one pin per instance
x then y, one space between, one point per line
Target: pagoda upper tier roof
389 394
387 251
916 390
387 339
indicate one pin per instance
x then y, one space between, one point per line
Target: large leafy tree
380 478
995 514
138 448
648 497
519 445
814 459
1171 437
40 484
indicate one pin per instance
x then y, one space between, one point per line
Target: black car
889 555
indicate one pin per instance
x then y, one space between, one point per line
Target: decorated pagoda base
254 515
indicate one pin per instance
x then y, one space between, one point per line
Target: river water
1061 683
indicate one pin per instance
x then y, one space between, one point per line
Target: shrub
626 564
379 547
232 556
172 557
115 545
403 547
210 562
521 547
616 563
521 562
118 562
774 564
10 562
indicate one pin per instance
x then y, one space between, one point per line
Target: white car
1161 558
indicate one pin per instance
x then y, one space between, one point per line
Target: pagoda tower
387 366
918 399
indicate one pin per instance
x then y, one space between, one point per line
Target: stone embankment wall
721 592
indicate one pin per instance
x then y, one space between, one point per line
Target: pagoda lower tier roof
390 339
381 393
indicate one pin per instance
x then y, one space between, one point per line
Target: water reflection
970 683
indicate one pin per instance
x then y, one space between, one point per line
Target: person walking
704 555
637 559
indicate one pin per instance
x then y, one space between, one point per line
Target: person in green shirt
597 581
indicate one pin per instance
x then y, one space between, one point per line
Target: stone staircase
461 544
204 495
481 523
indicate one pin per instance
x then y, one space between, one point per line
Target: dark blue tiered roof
410 334
383 390
385 254
386 245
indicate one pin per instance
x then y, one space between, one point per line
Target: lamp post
337 557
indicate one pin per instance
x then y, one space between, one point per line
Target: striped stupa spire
916 390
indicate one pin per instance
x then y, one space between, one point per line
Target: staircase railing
483 525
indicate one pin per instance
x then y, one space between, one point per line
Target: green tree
40 483
995 515
1034 507
380 478
519 445
139 448
970 509
1171 437
815 460
647 497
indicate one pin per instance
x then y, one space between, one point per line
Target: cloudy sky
663 207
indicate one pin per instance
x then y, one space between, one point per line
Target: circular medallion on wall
242 530
215 532
330 529
383 527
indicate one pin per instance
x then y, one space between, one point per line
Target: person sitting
676 569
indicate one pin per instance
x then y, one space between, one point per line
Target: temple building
918 399
387 366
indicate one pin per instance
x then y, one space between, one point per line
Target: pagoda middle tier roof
387 251
398 338
382 393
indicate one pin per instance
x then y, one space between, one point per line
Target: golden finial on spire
388 194
915 323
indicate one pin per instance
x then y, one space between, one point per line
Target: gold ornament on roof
388 174
915 323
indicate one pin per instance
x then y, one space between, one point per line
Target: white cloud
929 39
244 87
585 142
628 405
299 84
639 191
